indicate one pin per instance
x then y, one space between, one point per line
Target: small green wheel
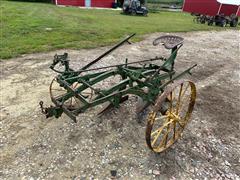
57 92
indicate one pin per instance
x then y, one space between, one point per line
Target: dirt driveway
32 147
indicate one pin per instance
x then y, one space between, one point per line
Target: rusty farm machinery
218 20
171 101
214 12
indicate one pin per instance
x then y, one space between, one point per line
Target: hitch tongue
50 111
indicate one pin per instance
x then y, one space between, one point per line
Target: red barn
212 7
86 3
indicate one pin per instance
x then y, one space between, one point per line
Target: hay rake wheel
56 91
170 115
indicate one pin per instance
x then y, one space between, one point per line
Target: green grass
23 27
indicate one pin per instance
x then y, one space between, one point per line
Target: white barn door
87 3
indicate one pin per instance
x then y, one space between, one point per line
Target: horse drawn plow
171 102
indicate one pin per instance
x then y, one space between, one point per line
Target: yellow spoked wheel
170 115
56 92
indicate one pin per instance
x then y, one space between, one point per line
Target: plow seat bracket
168 41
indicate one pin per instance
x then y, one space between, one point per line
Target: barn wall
71 2
207 7
101 3
228 9
94 3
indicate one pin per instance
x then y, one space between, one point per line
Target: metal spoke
179 98
171 101
156 137
182 126
183 102
183 94
161 117
174 95
164 140
177 119
159 132
174 130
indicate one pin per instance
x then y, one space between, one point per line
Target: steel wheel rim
163 131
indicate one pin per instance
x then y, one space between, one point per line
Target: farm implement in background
134 7
171 102
218 20
218 12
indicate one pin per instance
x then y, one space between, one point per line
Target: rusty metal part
50 111
43 110
57 91
164 127
109 105
168 41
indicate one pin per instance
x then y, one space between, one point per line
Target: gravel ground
32 147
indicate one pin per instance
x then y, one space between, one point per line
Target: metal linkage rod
108 52
106 67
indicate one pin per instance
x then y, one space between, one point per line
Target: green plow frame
147 81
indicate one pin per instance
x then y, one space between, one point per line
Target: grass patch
38 27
